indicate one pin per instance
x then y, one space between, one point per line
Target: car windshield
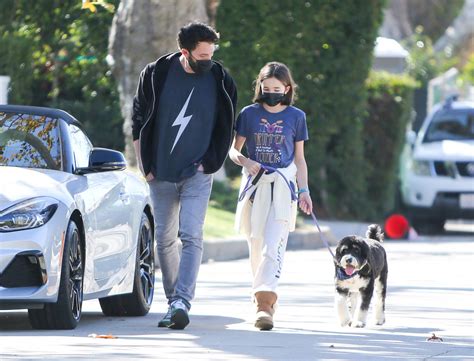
29 141
451 125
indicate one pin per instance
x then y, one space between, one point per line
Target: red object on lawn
396 226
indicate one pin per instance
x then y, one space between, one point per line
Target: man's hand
252 166
305 202
149 177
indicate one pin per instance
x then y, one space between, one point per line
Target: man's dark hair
193 33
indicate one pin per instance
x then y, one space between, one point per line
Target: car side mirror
103 160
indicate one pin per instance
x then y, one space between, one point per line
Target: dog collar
342 276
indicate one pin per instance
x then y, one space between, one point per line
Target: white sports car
74 225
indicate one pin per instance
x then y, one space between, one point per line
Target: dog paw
380 322
357 324
345 322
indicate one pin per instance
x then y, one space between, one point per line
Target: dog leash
267 169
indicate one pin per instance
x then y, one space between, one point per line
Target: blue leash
294 197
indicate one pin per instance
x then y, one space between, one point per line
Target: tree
141 32
459 37
402 17
55 54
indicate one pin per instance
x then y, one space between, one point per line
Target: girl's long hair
281 72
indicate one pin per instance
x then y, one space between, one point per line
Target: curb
236 248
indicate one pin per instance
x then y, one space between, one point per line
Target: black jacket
146 102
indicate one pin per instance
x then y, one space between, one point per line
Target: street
430 290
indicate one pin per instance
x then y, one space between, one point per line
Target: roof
389 48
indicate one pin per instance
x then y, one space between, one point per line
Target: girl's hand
252 166
305 202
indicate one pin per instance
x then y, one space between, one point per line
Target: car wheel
66 312
428 226
138 302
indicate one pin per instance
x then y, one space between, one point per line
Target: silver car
74 224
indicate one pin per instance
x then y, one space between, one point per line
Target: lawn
219 223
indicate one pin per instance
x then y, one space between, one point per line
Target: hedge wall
389 110
328 46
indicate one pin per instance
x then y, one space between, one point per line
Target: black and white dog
361 266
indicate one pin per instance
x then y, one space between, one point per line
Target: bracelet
303 190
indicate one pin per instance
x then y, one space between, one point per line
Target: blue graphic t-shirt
271 137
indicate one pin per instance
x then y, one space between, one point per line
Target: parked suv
437 167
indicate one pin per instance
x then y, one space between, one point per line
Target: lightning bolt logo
181 120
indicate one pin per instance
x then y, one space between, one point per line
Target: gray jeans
179 210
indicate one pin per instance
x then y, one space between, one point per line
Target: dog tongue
349 270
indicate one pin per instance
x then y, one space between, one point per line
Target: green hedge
328 46
389 112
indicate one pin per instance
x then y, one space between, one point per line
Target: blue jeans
179 211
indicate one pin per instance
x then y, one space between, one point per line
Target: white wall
4 81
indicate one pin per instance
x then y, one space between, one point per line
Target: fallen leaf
94 335
433 337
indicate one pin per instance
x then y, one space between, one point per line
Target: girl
274 132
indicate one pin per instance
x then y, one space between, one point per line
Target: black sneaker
179 315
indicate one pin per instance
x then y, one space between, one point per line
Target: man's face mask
199 66
272 99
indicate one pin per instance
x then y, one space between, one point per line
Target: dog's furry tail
375 232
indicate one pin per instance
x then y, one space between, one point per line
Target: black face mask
272 99
199 66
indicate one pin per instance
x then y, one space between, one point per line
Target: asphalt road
430 291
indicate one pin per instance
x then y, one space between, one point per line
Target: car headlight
421 167
28 214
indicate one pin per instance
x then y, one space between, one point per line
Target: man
183 119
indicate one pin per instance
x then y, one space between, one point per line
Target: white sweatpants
266 255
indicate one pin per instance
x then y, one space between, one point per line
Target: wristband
303 190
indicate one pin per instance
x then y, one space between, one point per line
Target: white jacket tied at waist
250 218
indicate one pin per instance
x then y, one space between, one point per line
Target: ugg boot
265 301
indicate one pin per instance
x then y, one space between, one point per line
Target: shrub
389 112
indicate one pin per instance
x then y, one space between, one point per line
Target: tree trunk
460 35
142 31
396 23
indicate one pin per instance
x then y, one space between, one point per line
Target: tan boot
265 301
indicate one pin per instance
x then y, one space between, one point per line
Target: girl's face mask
272 99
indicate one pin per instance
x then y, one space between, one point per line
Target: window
81 146
451 125
29 141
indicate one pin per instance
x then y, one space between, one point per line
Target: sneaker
179 315
166 321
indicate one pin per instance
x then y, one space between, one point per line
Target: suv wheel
428 226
